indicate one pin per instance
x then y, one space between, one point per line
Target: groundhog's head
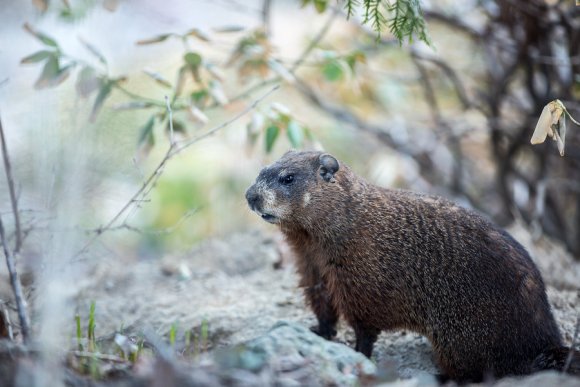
284 189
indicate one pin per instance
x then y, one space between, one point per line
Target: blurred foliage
462 122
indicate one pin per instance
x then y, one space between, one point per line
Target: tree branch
16 286
174 149
11 190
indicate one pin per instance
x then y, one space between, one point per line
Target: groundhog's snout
253 198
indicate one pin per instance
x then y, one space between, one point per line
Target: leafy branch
174 149
404 18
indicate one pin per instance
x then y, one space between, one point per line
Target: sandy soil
239 288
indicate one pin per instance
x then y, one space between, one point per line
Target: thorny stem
16 286
174 149
11 190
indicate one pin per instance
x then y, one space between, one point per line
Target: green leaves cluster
278 120
54 72
57 67
404 18
253 57
336 67
407 21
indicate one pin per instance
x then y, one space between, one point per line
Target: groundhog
390 259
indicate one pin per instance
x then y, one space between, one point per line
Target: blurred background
85 87
86 121
134 127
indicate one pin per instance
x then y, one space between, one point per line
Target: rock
290 346
545 378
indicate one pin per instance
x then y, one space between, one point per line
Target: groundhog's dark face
284 189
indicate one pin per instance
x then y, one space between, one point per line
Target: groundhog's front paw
324 331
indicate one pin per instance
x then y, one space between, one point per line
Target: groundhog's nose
252 197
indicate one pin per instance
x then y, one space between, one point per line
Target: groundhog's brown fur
386 259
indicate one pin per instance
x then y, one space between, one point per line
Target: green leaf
406 22
295 134
198 34
93 50
49 73
354 58
332 71
271 134
37 56
320 5
157 77
131 105
87 81
193 60
229 29
155 39
199 97
104 92
146 133
47 40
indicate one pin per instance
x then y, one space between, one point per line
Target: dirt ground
245 284
241 286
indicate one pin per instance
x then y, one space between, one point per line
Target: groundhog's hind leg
327 315
365 338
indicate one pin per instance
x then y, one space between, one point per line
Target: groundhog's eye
288 179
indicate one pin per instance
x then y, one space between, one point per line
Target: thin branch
451 74
11 190
266 12
430 98
174 149
297 63
16 286
170 112
163 231
316 40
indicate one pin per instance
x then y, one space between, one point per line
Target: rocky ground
247 320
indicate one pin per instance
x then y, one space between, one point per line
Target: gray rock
290 346
545 378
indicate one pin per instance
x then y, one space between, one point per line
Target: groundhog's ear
328 167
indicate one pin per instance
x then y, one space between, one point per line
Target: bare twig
295 65
170 113
316 40
16 286
11 190
266 10
451 74
163 231
174 149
